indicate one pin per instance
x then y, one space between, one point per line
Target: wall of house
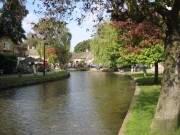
75 60
33 53
11 45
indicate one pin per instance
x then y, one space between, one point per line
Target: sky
79 33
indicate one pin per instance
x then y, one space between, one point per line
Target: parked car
95 66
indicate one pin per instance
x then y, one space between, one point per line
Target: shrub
8 63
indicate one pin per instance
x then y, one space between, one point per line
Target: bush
8 63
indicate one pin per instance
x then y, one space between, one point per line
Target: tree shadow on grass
149 80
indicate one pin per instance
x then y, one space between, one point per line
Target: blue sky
79 33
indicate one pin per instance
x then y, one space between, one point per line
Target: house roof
82 55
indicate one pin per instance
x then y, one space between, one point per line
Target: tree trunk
156 80
167 112
144 71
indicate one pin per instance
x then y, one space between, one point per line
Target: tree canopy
82 46
11 16
104 46
56 37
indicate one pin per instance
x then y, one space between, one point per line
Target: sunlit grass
143 109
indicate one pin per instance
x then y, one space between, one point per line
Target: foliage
8 63
12 14
52 30
143 42
40 47
50 50
104 46
82 46
151 54
52 58
63 55
30 41
56 38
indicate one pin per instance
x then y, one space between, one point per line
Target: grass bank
143 110
15 81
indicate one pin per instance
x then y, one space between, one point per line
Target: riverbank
9 81
143 105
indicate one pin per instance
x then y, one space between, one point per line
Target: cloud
28 20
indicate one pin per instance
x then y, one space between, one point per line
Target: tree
153 54
12 14
104 46
30 41
63 55
141 40
57 38
82 46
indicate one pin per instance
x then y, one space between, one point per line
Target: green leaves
104 46
12 14
82 46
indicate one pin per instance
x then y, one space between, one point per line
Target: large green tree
104 46
11 15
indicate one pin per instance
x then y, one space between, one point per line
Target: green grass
22 78
148 80
143 109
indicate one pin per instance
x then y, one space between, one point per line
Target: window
6 46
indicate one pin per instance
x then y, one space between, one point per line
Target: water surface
87 103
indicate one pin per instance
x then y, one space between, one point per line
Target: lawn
143 110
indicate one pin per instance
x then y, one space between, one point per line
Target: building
86 57
21 51
6 45
32 52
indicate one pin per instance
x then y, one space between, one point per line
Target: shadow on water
86 103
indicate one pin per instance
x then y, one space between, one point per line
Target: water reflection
84 104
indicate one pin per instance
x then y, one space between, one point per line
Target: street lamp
44 72
44 67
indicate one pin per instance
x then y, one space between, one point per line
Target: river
87 103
